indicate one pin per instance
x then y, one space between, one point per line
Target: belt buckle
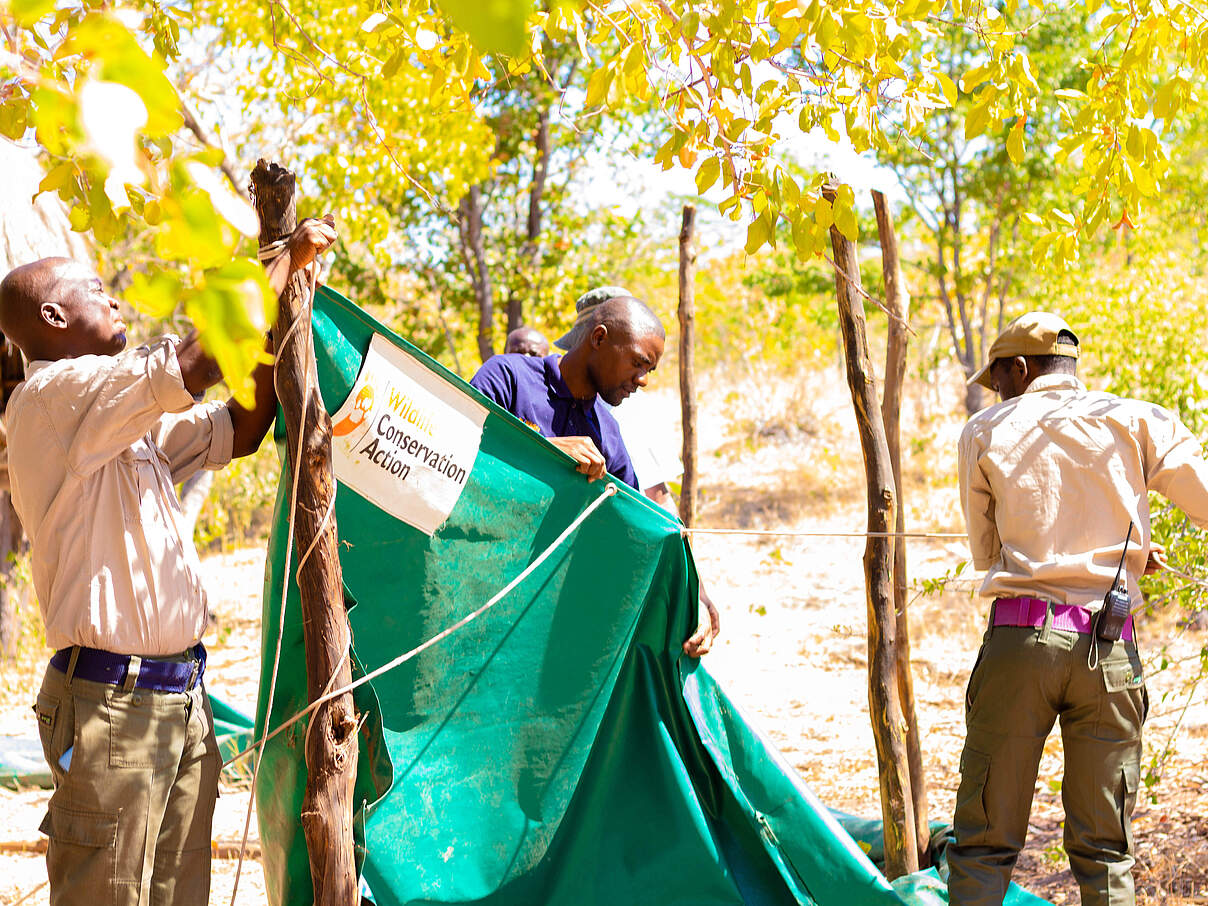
194 672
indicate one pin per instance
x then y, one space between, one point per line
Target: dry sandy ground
793 650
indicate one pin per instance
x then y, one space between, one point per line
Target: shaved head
527 341
57 308
616 346
624 316
22 291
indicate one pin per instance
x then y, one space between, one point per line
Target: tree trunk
897 810
12 537
897 300
515 310
474 254
687 375
532 227
12 543
331 742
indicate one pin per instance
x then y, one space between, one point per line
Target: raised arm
309 240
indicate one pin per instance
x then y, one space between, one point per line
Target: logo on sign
406 439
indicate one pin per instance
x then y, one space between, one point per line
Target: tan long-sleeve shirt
1050 480
96 444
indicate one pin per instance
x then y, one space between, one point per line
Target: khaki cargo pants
1023 681
129 820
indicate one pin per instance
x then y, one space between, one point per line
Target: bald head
527 341
620 343
624 315
56 308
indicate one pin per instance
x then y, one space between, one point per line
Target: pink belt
1031 612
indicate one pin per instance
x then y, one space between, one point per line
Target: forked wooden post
897 300
687 373
331 748
884 704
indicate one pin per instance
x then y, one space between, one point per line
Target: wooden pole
901 852
331 741
687 374
897 300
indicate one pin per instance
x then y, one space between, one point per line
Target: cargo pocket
981 655
55 731
1123 708
136 738
1130 782
84 851
970 821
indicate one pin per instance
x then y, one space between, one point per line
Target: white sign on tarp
405 439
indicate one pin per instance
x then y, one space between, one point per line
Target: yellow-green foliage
239 509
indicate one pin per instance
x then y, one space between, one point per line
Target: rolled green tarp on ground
559 749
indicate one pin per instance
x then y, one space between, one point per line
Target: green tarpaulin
560 749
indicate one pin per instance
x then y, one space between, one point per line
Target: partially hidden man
98 435
1053 480
620 342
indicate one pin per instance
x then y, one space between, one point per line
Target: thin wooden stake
897 300
897 811
687 374
331 742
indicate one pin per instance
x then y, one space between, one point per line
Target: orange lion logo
360 411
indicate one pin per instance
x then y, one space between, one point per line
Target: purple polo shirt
532 389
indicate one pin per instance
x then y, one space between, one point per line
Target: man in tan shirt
1051 479
98 436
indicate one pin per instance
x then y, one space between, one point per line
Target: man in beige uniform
1050 479
97 438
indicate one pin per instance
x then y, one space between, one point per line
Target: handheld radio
1110 620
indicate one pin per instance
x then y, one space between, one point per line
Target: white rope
304 285
728 531
609 491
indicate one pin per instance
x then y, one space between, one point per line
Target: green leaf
597 86
976 120
14 119
947 86
707 175
27 12
844 209
156 295
493 25
57 178
230 312
1015 141
79 218
758 233
392 64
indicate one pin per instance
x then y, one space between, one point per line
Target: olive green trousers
1024 680
130 817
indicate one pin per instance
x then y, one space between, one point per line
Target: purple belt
153 673
1031 612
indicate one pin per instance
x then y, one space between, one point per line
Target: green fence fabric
560 749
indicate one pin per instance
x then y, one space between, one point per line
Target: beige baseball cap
1032 334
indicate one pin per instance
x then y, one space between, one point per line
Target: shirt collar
1054 382
557 386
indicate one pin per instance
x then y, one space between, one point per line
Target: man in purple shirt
616 346
557 395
